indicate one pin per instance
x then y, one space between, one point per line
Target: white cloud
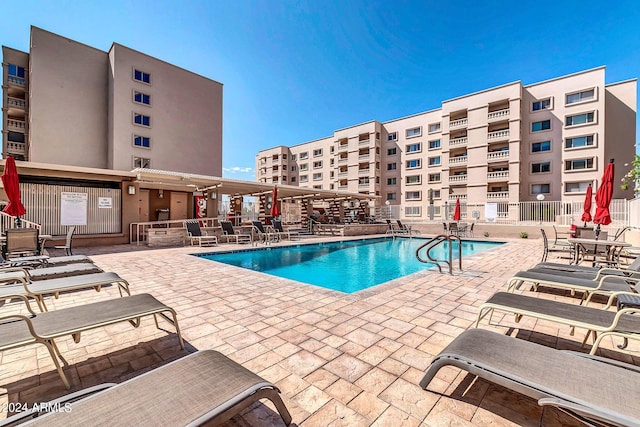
237 169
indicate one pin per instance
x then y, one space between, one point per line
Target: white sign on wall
105 203
491 211
73 208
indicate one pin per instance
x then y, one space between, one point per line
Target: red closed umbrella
586 215
603 197
11 185
274 203
456 212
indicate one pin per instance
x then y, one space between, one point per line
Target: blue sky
295 71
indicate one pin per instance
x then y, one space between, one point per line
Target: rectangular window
413 132
578 164
392 151
317 152
294 168
392 181
284 178
580 119
392 136
576 187
141 162
434 127
543 104
434 177
141 119
541 125
579 141
540 188
434 161
304 178
541 167
391 196
304 166
142 98
412 164
16 71
413 179
317 165
363 180
294 157
585 95
413 195
141 141
293 179
413 211
538 147
391 166
141 76
436 194
414 148
434 144
304 155
317 176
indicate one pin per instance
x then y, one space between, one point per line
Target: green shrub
524 235
486 234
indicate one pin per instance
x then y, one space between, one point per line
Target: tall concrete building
502 145
71 104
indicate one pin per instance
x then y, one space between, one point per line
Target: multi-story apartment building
71 104
503 145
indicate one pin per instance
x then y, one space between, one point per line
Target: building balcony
343 147
498 195
458 141
364 156
458 160
342 161
18 125
458 123
498 114
343 187
16 103
364 142
360 186
497 135
16 147
498 155
457 196
458 178
364 172
500 175
342 174
16 81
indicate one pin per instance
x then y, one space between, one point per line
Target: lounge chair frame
195 233
231 234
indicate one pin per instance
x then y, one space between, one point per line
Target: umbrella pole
18 222
597 231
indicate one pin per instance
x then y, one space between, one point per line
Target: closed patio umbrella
11 185
603 197
586 215
275 212
456 212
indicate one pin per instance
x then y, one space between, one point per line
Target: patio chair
67 245
597 321
444 226
585 387
405 229
586 271
554 249
47 272
37 289
557 241
391 229
291 235
196 234
261 234
453 229
231 234
44 328
21 242
206 387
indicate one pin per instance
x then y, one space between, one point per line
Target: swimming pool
348 266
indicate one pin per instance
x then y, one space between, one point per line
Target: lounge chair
261 234
586 271
586 387
203 387
291 235
44 260
54 272
37 289
391 229
43 328
231 234
608 323
196 234
405 229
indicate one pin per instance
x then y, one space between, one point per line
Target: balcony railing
19 81
15 102
343 173
497 195
499 134
343 147
498 155
16 147
364 172
457 196
363 142
458 141
459 122
343 160
16 124
498 175
457 160
343 187
363 185
498 114
458 178
363 156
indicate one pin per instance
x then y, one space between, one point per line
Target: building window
580 119
540 188
304 166
541 125
543 104
141 98
436 194
293 157
413 195
141 119
391 196
304 178
141 162
391 166
578 164
579 141
294 168
413 179
576 187
538 147
141 76
413 132
413 164
293 179
141 141
392 151
413 211
392 181
434 161
317 152
414 148
363 180
16 71
392 136
434 144
304 156
585 95
434 127
541 167
284 178
434 177
317 165
317 176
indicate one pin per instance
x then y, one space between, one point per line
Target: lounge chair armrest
21 297
582 412
606 360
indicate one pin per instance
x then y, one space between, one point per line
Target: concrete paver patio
340 360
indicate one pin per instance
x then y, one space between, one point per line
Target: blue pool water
343 266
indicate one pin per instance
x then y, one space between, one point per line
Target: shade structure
11 185
456 212
604 195
274 203
586 214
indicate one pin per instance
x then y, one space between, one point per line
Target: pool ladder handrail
438 240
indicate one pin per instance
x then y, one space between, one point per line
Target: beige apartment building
71 104
502 145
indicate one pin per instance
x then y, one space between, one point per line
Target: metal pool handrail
438 240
